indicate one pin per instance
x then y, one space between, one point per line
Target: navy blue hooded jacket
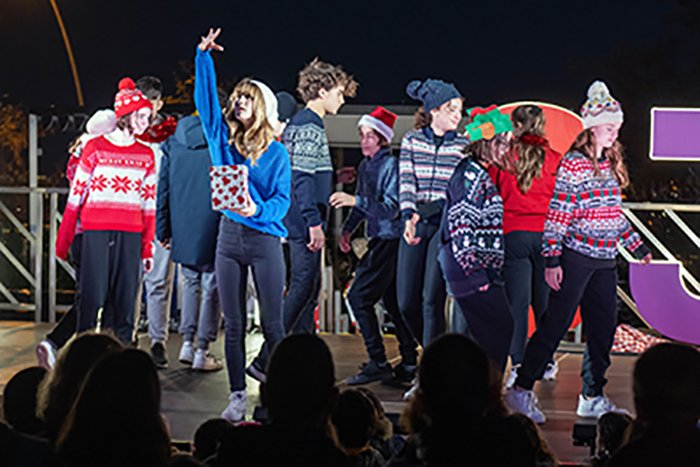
183 211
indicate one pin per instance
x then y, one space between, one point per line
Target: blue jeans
302 298
375 279
238 248
201 313
420 285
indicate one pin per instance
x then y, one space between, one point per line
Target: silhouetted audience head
61 386
454 378
300 387
384 429
612 427
19 401
116 419
667 384
545 455
354 419
208 436
450 418
183 460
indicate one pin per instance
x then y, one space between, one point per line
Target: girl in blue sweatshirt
249 237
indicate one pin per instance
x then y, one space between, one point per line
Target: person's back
666 393
191 224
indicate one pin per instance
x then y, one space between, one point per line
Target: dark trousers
375 279
109 279
302 298
489 321
65 328
420 285
592 284
238 248
304 287
523 272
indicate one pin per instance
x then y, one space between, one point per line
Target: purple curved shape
664 302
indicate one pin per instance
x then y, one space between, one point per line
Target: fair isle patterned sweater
585 213
473 220
312 172
114 188
424 170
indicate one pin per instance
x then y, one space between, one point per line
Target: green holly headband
487 123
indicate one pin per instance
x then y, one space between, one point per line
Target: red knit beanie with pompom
129 99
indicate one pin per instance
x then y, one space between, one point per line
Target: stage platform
190 398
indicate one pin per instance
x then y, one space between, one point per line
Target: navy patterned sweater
312 173
472 253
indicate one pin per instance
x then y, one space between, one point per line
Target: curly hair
527 120
251 143
319 75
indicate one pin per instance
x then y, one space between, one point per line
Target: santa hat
129 99
380 120
600 108
270 102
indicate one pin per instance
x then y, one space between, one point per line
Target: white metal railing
34 235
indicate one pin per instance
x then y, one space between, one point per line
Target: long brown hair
422 118
586 144
255 141
527 120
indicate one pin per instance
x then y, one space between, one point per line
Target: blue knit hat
432 92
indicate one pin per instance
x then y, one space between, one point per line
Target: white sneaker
411 393
550 373
235 412
46 355
186 353
204 361
512 377
525 402
596 407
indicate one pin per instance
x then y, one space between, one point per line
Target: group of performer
490 215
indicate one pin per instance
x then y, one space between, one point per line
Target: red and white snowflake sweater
114 188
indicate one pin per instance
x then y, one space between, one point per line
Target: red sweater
526 212
114 188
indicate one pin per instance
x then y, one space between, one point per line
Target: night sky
495 51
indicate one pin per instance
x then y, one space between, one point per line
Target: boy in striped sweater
583 227
113 193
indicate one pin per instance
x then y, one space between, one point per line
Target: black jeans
238 248
489 322
420 285
375 279
523 273
65 328
109 279
592 284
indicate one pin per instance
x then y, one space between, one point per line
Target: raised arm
207 102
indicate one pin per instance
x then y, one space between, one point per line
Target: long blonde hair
586 144
255 141
527 120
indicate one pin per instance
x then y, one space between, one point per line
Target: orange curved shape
562 125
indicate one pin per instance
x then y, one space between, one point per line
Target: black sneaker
402 376
370 372
160 360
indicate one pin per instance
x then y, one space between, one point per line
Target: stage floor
190 398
